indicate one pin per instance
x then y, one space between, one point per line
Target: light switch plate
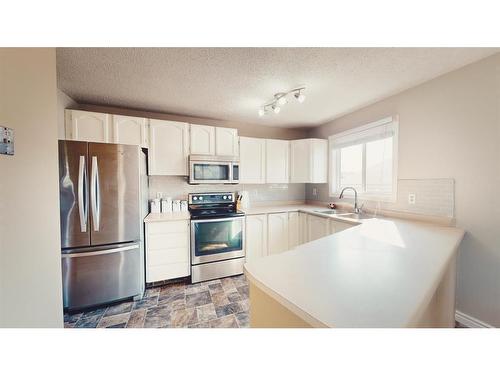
6 141
412 198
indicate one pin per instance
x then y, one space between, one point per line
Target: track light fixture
280 99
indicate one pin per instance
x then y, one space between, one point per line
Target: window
365 158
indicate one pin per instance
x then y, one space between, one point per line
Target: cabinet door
226 141
319 161
303 227
256 236
88 126
293 230
202 140
277 161
277 232
318 227
169 148
129 130
299 161
252 160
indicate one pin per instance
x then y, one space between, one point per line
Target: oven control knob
201 198
195 198
224 197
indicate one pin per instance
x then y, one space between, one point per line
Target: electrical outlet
412 198
315 191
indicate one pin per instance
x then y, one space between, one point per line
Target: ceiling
232 83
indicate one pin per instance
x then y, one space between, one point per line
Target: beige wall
450 128
244 129
30 261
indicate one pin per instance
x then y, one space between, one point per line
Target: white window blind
366 158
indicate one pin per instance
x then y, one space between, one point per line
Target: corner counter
382 273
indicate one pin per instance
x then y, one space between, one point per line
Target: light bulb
276 109
261 112
282 100
300 97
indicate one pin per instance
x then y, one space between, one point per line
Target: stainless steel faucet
356 208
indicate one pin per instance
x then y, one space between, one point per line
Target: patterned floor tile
206 313
125 307
214 303
157 317
228 321
136 319
220 299
232 308
183 318
146 303
113 320
243 319
198 299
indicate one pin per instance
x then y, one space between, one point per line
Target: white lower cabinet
293 230
303 227
274 233
256 237
318 227
167 250
277 232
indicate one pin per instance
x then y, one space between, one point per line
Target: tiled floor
219 303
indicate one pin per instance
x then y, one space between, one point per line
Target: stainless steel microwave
205 169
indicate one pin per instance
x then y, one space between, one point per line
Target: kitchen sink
328 212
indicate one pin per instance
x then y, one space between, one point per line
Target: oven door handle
234 218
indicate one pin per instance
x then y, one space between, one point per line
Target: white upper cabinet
318 227
226 141
277 233
130 130
252 160
202 140
169 148
87 126
309 160
293 230
256 236
277 161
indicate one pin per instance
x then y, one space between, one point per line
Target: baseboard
470 321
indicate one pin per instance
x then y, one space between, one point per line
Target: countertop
167 216
377 274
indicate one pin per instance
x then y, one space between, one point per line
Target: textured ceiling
232 83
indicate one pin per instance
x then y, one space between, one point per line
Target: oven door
217 239
209 172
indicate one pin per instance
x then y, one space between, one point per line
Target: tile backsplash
434 197
178 188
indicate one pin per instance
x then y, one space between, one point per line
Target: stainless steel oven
205 169
217 236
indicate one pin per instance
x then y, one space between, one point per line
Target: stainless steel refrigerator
101 222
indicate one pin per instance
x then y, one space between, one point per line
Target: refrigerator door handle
82 199
100 252
94 194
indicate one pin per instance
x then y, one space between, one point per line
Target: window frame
334 159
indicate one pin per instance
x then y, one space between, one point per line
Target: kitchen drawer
158 257
167 271
181 226
167 241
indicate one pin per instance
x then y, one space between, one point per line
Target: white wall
450 128
30 261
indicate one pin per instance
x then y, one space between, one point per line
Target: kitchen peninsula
382 273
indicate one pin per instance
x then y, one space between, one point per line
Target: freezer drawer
95 276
